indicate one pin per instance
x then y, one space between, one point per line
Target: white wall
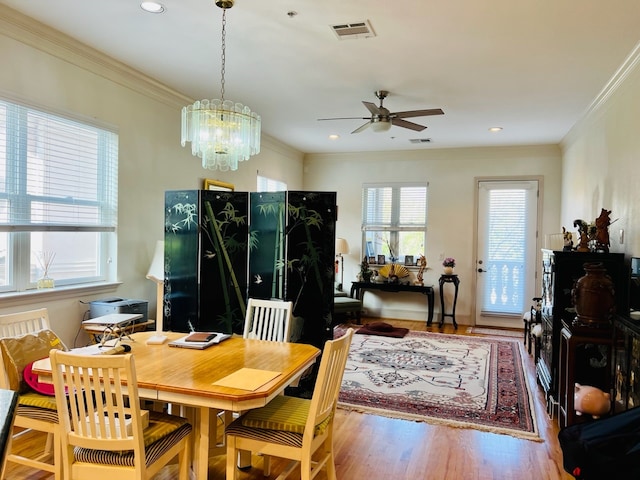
451 174
54 72
601 158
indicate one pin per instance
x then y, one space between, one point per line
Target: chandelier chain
224 48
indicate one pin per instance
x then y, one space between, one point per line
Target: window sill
58 293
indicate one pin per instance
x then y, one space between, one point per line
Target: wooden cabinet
585 358
560 271
626 364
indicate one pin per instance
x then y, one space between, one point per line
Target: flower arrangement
449 262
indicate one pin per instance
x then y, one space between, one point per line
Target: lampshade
156 269
156 273
222 133
342 247
381 126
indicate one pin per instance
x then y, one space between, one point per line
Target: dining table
235 375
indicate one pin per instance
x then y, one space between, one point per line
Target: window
394 220
270 185
58 199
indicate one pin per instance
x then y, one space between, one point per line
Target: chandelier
222 133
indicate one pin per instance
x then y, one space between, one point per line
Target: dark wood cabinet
626 364
560 271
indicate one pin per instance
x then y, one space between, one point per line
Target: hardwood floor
378 448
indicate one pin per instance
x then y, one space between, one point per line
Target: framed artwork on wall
218 185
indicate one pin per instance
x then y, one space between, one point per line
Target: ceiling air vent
420 140
353 30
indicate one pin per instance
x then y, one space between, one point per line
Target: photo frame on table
408 260
218 185
371 260
381 260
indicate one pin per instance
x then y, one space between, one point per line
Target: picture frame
218 185
408 260
372 260
381 260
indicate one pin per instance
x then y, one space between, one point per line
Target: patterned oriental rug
453 380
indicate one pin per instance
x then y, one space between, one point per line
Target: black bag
606 448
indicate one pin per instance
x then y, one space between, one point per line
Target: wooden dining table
233 376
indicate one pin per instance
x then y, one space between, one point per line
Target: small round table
456 281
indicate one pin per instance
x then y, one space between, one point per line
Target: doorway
507 222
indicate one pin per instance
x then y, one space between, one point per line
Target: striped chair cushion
287 414
37 413
164 432
34 399
280 437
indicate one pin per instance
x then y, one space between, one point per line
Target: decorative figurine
591 400
602 231
568 240
422 261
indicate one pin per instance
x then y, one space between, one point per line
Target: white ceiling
532 67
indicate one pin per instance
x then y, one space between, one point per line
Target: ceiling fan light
381 126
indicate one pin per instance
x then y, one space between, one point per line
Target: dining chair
104 433
292 427
268 320
24 338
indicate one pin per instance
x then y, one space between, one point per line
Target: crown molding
26 30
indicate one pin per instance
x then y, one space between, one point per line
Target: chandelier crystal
222 133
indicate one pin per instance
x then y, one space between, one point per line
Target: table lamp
156 273
342 248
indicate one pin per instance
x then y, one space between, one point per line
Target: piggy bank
591 400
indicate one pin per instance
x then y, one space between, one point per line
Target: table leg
201 447
430 302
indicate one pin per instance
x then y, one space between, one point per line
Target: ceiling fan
381 119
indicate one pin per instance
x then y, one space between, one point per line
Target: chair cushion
18 352
287 414
34 399
161 425
153 451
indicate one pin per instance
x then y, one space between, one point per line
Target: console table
358 289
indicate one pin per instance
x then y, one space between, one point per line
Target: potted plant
449 263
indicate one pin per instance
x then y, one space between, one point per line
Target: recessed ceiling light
152 7
334 136
495 129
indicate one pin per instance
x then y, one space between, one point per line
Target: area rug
453 380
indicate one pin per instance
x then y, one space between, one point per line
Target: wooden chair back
101 421
14 325
17 324
268 320
327 388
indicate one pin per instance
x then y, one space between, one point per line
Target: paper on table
247 379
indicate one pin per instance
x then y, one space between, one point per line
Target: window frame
395 226
16 191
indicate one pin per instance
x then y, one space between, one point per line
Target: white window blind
58 193
266 184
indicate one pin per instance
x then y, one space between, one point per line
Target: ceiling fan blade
372 107
344 118
418 113
398 122
361 128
